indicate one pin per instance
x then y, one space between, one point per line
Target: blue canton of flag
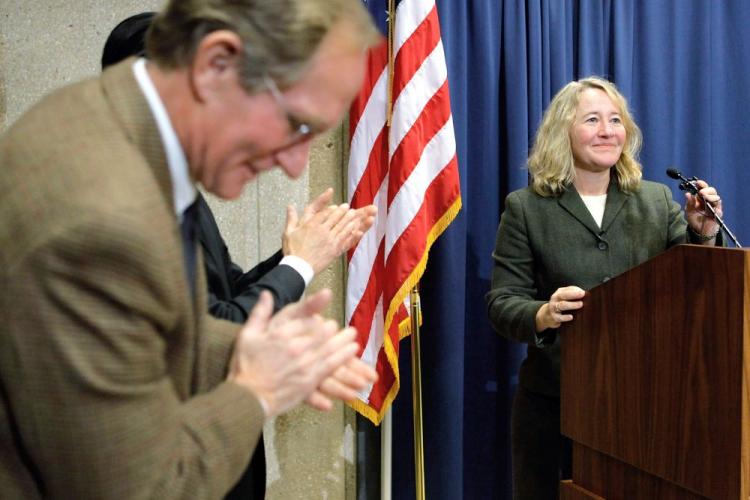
379 11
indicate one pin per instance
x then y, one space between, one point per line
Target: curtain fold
683 65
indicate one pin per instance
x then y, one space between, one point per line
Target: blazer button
602 245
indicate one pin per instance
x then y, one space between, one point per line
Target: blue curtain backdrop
684 66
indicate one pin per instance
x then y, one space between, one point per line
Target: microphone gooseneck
690 185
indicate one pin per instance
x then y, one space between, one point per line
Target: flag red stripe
385 382
408 249
377 60
407 154
384 368
415 50
363 314
374 174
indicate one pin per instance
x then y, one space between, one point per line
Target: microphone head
673 173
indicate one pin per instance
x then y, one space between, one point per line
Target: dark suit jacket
111 374
546 243
231 295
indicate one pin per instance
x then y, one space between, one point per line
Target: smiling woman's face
598 134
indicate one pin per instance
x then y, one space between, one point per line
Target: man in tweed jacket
114 383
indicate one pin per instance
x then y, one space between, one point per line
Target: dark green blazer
112 378
546 243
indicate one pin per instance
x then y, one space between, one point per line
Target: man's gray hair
279 36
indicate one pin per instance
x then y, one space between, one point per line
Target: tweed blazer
232 294
111 374
547 243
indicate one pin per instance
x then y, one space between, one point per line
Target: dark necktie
187 228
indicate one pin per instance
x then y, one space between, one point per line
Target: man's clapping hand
297 355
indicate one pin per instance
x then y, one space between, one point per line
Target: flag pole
391 35
386 456
416 385
386 435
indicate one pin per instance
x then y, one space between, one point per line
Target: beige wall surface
45 44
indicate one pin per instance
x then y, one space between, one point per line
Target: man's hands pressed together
297 355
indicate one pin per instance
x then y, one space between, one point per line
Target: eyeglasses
300 130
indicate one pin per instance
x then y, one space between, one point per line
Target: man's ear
215 64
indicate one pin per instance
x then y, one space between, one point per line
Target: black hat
127 39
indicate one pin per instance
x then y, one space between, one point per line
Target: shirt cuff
300 265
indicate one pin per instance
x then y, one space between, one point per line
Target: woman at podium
586 217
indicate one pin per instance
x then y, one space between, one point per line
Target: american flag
410 172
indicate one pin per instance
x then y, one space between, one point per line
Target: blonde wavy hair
551 161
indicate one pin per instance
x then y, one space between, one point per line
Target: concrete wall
47 43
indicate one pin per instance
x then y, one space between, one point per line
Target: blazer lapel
573 204
131 108
571 201
616 199
211 243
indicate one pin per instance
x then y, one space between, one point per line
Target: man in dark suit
307 248
232 293
119 386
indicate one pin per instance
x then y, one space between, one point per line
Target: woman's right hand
557 311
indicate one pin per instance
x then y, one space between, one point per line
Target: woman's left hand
698 216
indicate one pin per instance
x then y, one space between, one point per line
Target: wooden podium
655 382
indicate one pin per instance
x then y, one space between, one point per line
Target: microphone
691 186
686 184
